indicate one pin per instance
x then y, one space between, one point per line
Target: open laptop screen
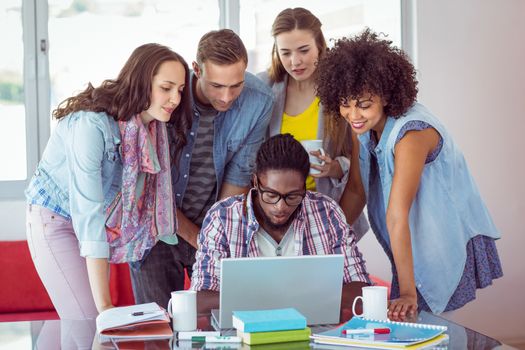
310 283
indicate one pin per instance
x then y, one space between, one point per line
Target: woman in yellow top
298 44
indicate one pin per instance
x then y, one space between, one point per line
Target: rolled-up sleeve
86 197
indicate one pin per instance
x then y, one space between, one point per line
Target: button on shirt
269 247
230 228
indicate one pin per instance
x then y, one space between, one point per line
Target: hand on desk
402 309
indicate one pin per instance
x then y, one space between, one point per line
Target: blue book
268 320
401 334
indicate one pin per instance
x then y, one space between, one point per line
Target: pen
367 331
217 339
201 334
140 313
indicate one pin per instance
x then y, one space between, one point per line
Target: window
56 47
91 40
12 109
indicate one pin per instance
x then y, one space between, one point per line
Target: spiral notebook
403 335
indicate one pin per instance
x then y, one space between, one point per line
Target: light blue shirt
446 213
81 172
238 134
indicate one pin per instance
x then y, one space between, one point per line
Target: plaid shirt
37 194
230 227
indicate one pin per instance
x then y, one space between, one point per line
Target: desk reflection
460 338
67 334
63 334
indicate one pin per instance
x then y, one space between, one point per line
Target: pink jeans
56 255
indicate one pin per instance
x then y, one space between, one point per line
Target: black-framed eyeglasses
271 197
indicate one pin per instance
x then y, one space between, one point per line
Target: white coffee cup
182 307
375 303
314 145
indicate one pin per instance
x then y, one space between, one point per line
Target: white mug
375 303
314 145
182 307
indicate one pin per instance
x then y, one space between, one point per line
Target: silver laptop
311 283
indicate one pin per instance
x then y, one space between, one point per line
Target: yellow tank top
303 127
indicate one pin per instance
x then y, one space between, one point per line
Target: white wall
470 60
471 56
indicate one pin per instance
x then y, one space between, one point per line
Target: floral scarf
143 212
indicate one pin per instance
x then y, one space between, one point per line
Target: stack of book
271 326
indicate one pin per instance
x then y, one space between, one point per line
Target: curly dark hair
364 64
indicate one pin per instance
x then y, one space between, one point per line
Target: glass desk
53 335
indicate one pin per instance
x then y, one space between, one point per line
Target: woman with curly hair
423 204
101 192
298 44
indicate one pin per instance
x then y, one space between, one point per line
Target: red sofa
23 296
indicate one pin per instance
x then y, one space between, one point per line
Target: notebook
136 322
402 335
311 284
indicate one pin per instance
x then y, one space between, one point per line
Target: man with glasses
278 217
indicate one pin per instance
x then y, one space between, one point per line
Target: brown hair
286 21
130 93
222 47
338 135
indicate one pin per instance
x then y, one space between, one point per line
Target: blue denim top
446 213
79 175
238 133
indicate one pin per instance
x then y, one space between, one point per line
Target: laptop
310 283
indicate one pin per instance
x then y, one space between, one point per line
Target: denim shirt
80 172
446 213
238 133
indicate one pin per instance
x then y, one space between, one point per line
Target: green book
294 345
255 338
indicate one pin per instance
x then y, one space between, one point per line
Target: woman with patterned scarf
102 190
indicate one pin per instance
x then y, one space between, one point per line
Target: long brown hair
286 21
130 93
338 134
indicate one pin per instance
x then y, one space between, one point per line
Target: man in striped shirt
231 110
278 217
